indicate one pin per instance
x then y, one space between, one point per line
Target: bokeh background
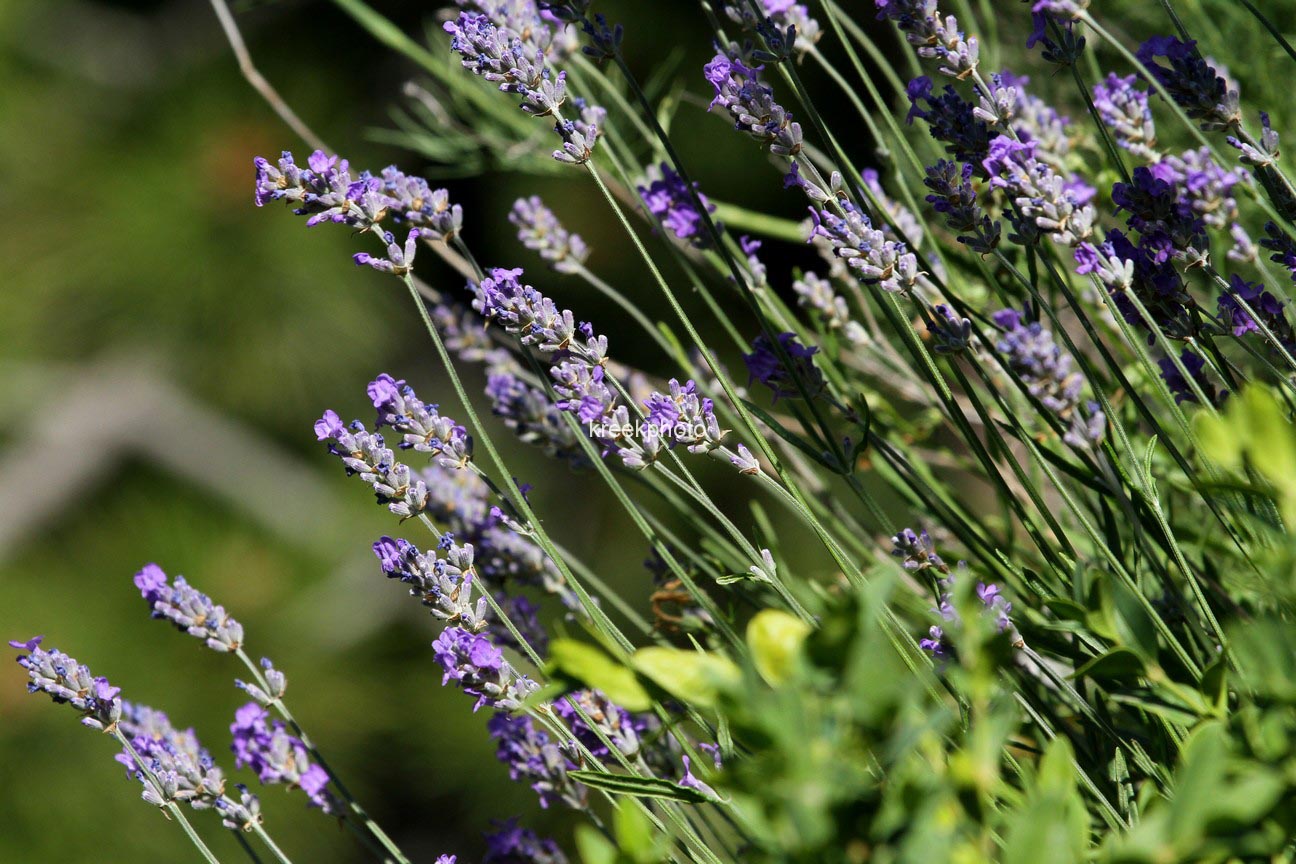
165 348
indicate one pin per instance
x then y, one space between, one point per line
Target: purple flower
479 669
445 584
1180 386
66 681
830 308
934 644
766 365
1265 306
1124 109
363 453
511 844
750 103
265 746
1031 354
624 730
540 230
188 609
533 756
399 260
670 201
689 781
917 551
419 425
932 35
1199 89
875 258
781 14
952 120
954 196
531 414
1044 202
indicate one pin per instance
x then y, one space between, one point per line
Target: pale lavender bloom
276 684
364 453
624 730
277 757
1263 153
917 551
420 425
816 293
1124 109
532 415
188 609
1033 356
685 417
1044 202
782 14
184 770
479 669
511 844
1243 250
689 781
744 461
749 102
875 259
442 583
540 230
65 680
1035 120
933 36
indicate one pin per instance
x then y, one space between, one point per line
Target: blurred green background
165 347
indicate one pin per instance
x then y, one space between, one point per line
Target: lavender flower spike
183 767
668 198
66 681
532 755
1199 88
1044 203
875 259
540 230
265 746
1124 109
420 426
750 103
363 453
933 36
188 609
1046 371
479 669
511 844
444 584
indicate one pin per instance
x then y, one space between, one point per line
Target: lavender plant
1042 330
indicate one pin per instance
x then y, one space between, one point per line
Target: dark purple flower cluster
1147 271
478 668
1265 309
765 365
65 680
277 757
669 200
1180 386
1200 90
951 120
419 425
954 196
540 231
512 844
1031 354
750 103
188 609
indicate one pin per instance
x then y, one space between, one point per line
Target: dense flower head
684 416
951 333
1044 202
326 191
749 102
816 293
520 309
872 257
933 36
1156 207
442 582
184 768
540 231
266 746
1205 188
364 453
669 199
1029 117
532 415
188 609
917 551
511 844
478 668
1191 81
1146 269
66 681
765 364
419 424
533 756
1033 356
951 119
954 196
498 55
1124 109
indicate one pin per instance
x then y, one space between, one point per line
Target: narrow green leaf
639 787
